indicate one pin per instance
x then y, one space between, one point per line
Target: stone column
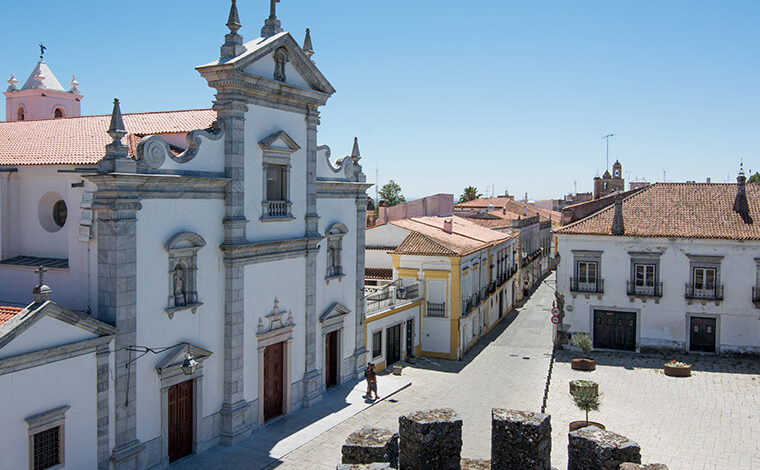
430 439
520 440
312 383
116 205
591 448
235 412
360 351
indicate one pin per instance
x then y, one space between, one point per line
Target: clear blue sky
448 93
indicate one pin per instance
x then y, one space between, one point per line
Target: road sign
555 311
555 320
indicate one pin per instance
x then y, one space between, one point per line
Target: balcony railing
436 309
715 293
388 295
645 291
272 209
379 300
596 287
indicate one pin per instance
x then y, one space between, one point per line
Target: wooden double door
702 334
615 330
180 420
273 380
393 345
331 359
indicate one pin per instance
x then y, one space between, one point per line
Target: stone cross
40 272
42 50
273 8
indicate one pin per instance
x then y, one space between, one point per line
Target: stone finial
308 48
74 84
41 292
233 21
618 227
12 83
117 154
741 205
116 129
272 25
355 155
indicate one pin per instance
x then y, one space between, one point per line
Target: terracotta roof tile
678 210
431 239
511 206
6 313
418 244
82 140
378 273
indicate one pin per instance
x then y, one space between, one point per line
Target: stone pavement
271 442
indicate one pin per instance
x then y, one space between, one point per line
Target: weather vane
42 50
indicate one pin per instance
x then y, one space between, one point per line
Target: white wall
70 382
665 323
47 332
398 318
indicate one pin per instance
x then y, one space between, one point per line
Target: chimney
447 225
741 205
618 227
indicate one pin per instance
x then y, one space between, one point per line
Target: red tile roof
678 210
82 140
6 313
378 273
427 236
511 206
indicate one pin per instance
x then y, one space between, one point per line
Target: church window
60 213
183 271
20 113
334 239
58 113
605 185
277 189
46 439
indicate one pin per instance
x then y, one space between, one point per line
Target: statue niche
179 286
280 59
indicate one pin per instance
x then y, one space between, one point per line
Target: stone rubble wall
591 448
371 444
430 439
520 440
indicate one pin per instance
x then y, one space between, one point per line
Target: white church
170 281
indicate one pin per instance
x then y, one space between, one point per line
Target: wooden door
393 345
273 373
702 334
410 338
615 330
331 359
180 420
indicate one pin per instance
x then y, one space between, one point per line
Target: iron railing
436 309
644 291
714 293
756 295
592 287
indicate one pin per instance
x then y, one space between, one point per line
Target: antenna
664 180
377 183
607 138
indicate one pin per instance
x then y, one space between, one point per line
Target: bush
582 341
586 399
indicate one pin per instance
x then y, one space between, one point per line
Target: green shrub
586 399
582 341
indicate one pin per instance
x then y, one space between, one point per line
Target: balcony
644 291
594 287
391 295
436 309
695 293
276 210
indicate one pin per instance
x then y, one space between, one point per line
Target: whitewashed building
213 260
675 265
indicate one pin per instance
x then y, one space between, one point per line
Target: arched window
20 113
59 113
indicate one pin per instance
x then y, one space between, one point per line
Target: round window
60 212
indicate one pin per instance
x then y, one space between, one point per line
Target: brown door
180 420
393 345
615 330
273 374
702 334
331 359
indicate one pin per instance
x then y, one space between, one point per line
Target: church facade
213 259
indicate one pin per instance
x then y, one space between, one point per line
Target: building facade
227 237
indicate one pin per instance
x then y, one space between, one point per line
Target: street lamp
189 364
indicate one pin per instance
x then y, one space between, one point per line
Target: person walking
371 377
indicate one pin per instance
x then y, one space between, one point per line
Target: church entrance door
180 420
273 373
331 359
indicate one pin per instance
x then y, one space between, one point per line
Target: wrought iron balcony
596 287
436 309
715 293
645 291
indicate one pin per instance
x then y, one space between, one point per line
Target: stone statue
179 286
280 59
334 259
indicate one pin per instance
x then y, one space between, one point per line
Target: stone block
636 466
520 440
591 448
430 439
371 444
475 464
365 466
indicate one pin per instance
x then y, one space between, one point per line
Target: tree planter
575 425
576 384
677 371
583 363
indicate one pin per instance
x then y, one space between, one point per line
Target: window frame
587 256
182 249
277 210
55 418
705 264
377 346
57 211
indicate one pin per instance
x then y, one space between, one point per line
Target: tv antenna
607 138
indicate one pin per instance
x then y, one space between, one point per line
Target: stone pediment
335 310
177 354
279 143
277 319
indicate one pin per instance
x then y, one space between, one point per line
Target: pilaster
235 413
103 406
312 377
360 351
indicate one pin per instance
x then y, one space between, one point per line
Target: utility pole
575 186
607 138
664 180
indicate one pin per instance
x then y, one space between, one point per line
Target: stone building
212 259
609 183
672 265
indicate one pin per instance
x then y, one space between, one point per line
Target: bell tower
617 170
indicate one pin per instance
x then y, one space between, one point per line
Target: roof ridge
457 233
108 115
428 239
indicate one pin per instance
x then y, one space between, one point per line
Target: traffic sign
555 311
555 320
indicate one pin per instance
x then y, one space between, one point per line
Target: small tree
586 399
391 193
582 341
470 194
754 178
